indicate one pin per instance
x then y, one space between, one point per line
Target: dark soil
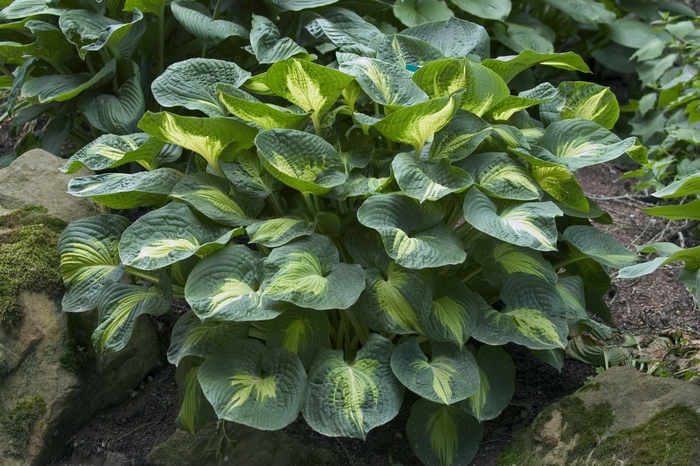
651 305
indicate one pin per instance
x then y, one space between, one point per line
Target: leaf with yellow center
454 312
304 332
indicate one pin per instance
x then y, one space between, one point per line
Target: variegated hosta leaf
413 233
195 409
89 254
208 194
460 137
125 191
454 37
396 300
249 177
529 224
59 88
361 182
451 374
500 259
483 88
265 116
267 44
170 234
208 137
501 176
686 186
404 50
668 252
600 246
313 88
192 337
279 231
365 246
534 315
578 143
582 100
507 107
350 399
197 19
120 304
302 331
301 160
251 385
415 12
192 84
105 152
508 67
455 310
562 185
415 124
385 83
342 27
307 272
572 294
443 435
497 383
428 181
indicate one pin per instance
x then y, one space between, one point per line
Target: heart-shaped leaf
428 181
350 399
59 88
208 194
267 44
521 37
89 252
342 27
486 9
599 246
497 383
454 313
509 67
121 39
501 176
526 99
499 260
302 331
83 27
415 12
195 409
263 115
279 231
460 137
197 19
404 50
582 100
454 37
249 177
251 385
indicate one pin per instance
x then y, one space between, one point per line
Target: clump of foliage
19 420
28 259
345 232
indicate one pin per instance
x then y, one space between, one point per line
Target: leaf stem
309 203
178 291
567 261
361 331
6 72
472 274
317 124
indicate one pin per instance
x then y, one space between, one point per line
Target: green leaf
195 411
83 27
499 260
579 143
196 18
168 235
192 337
404 50
314 88
483 88
526 99
522 37
690 211
225 285
451 374
121 39
249 177
630 33
157 7
208 137
415 12
192 84
412 233
268 46
529 224
279 231
486 9
20 9
687 186
298 5
208 194
303 332
265 116
59 88
125 191
454 37
572 292
118 114
396 299
415 124
307 272
385 83
600 246
428 181
497 383
342 27
460 137
533 315
454 311
251 385
120 304
500 176
583 100
509 67
89 254
301 160
562 185
584 11
350 399
442 435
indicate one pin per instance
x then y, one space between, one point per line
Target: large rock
622 416
239 446
34 179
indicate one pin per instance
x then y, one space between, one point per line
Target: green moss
671 438
18 421
28 259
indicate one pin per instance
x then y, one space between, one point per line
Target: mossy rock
621 417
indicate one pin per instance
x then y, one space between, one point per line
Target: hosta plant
343 233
